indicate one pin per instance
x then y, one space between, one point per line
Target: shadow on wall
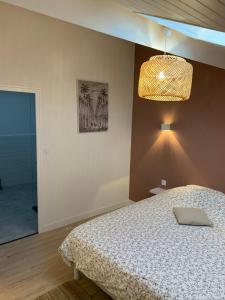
115 189
166 147
179 156
163 154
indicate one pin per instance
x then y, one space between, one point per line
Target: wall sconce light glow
165 126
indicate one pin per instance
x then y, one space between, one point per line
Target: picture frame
92 97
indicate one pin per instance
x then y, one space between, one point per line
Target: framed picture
92 106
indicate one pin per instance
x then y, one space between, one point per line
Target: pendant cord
165 35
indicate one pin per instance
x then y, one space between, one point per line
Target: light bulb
161 75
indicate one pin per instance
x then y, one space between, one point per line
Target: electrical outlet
163 182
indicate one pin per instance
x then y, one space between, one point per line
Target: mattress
140 252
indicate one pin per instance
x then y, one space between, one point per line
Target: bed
140 252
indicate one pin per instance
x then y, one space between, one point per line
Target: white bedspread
140 252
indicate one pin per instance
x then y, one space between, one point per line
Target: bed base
76 276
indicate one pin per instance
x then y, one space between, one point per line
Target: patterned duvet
140 252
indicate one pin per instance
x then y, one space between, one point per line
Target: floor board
32 266
83 289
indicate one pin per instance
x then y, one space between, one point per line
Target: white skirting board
83 216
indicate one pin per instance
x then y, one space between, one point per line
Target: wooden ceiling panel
152 9
215 6
174 9
190 8
204 13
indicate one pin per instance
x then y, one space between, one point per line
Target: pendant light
165 78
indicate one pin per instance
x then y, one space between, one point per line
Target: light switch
163 182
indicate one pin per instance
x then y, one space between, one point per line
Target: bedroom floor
83 289
32 267
17 218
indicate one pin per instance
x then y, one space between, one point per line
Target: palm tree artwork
93 106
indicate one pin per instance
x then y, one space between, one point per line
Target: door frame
37 92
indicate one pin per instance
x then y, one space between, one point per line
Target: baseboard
83 216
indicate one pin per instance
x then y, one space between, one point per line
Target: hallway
17 218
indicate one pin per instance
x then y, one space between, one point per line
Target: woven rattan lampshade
165 78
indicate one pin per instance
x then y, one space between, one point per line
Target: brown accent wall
194 152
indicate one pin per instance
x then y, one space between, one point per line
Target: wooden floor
32 266
82 289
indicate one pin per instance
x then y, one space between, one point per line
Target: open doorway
18 166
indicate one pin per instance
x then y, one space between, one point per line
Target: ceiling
204 13
118 18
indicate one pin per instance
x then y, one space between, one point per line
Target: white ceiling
117 18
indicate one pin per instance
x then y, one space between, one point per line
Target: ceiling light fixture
165 77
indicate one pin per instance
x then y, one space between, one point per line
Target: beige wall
79 174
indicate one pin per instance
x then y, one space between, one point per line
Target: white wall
78 174
109 17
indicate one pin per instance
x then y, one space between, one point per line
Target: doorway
18 166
